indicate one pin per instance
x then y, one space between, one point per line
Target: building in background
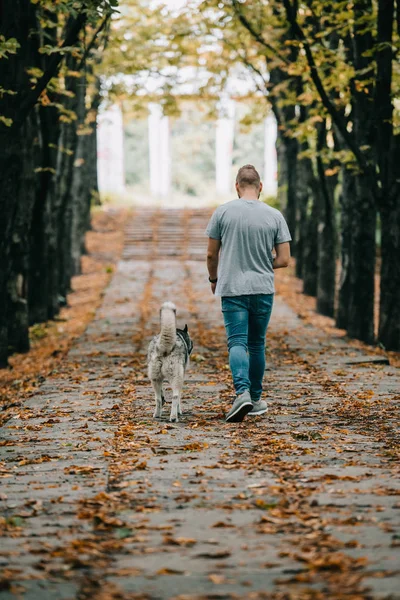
110 151
224 134
188 160
159 152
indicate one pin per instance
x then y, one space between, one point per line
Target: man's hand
213 287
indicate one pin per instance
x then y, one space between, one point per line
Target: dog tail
167 337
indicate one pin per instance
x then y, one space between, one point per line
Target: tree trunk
16 20
362 249
346 220
388 157
310 249
310 244
389 317
65 169
17 285
304 192
362 264
79 192
291 152
282 170
326 236
287 149
302 199
41 282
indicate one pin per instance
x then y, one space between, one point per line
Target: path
101 501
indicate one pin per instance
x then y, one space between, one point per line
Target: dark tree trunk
282 170
18 268
84 181
363 245
362 264
3 317
303 193
326 236
305 190
287 150
78 192
65 169
291 152
389 316
17 18
389 320
388 159
346 220
41 281
310 250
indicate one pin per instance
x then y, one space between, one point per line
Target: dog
167 359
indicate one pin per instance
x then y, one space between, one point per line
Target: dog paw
156 415
173 419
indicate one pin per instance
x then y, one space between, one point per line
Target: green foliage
6 121
272 201
38 332
8 46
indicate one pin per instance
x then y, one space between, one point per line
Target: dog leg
174 410
176 385
157 385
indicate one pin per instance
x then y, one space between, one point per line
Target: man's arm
282 255
212 259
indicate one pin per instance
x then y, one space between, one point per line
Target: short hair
248 176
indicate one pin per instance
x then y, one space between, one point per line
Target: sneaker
241 406
259 408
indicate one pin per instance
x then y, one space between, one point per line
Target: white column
159 152
224 147
110 150
270 162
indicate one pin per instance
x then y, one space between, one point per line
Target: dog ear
186 328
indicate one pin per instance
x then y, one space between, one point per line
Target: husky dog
167 359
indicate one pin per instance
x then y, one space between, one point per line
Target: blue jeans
246 320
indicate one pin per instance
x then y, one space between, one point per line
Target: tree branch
93 40
335 114
32 96
247 63
257 36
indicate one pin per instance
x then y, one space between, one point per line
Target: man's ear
186 328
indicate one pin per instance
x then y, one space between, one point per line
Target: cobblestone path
101 501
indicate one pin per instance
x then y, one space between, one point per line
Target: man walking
242 235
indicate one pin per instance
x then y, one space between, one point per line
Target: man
242 235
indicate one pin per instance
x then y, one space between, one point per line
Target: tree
41 108
336 60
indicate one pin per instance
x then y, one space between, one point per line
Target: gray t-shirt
248 230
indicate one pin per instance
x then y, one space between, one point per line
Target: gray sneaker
241 406
259 408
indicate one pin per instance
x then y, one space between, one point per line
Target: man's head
248 182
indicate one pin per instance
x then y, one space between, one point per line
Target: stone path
101 501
